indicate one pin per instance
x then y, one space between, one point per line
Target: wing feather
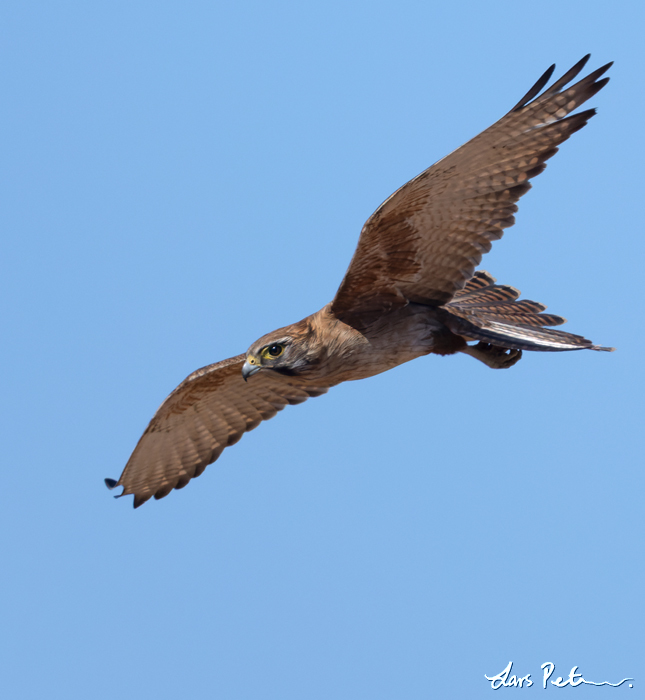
210 410
423 243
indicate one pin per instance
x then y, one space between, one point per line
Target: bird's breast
391 340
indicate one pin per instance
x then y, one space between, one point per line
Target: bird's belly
396 338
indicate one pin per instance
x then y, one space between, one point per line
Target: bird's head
286 351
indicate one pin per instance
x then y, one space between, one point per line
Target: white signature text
504 679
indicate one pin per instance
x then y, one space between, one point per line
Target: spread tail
490 312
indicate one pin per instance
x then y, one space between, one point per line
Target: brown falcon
411 289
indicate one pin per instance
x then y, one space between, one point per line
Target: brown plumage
410 290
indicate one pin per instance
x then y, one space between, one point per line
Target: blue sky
180 178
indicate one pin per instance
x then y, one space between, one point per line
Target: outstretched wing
210 410
424 242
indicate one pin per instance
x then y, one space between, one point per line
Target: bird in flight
410 290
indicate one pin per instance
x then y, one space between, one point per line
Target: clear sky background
179 179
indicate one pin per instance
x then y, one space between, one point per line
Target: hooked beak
249 368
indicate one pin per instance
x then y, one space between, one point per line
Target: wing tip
139 500
582 62
111 483
536 90
601 348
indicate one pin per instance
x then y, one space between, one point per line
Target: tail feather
516 319
524 306
487 295
486 311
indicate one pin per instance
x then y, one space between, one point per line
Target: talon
494 356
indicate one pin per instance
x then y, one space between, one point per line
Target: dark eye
275 350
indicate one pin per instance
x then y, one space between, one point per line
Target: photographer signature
504 679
